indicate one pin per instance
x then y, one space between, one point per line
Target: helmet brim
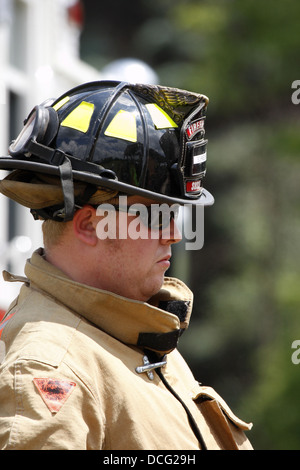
9 163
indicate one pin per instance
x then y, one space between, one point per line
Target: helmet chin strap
66 213
66 164
66 178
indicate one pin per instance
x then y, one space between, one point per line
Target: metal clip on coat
148 367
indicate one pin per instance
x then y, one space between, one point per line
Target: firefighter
89 355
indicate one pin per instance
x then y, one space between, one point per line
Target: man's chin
152 290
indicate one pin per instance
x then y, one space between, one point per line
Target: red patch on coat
54 392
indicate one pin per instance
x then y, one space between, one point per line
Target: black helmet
138 139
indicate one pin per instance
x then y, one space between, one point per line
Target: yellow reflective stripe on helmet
80 117
160 118
60 104
123 126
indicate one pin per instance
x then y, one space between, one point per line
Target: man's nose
171 234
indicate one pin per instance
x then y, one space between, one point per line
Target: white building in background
39 59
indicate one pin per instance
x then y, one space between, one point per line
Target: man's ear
84 225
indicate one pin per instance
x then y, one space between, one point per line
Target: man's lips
165 261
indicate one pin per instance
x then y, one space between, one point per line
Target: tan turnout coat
68 376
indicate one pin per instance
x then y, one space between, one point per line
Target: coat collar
156 324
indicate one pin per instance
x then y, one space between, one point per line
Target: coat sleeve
48 408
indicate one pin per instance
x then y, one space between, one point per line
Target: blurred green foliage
246 279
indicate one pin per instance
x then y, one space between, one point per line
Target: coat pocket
226 427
